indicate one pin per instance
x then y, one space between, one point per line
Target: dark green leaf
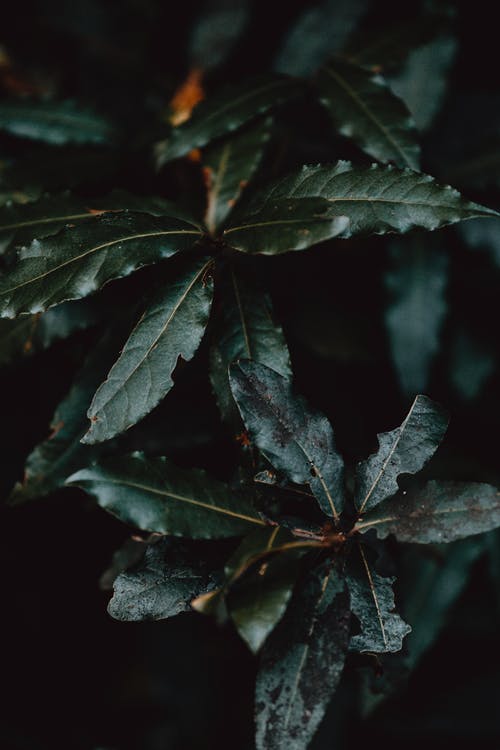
226 112
286 224
76 262
364 109
245 329
294 438
416 281
216 32
54 122
161 585
258 602
51 462
437 512
301 664
318 32
372 601
404 450
432 586
155 495
228 166
388 48
422 93
33 333
483 235
375 200
171 327
471 364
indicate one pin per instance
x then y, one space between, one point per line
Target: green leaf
302 663
245 329
422 93
226 112
161 585
388 47
416 281
76 262
33 333
483 235
56 123
170 328
363 108
294 438
50 213
375 200
432 586
437 512
228 166
318 32
372 602
471 363
258 601
286 224
52 461
216 31
404 450
155 495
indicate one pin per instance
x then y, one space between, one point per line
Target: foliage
287 542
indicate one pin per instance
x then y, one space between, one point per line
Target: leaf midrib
373 593
52 219
77 258
365 109
419 514
306 454
387 460
164 328
233 104
181 498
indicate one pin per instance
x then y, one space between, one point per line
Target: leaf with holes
302 662
76 262
294 438
404 450
226 112
162 584
363 108
155 495
372 602
245 328
440 511
170 328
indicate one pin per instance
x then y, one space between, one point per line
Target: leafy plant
286 542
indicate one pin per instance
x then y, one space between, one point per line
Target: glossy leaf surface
440 511
155 495
76 262
170 328
293 437
301 664
404 450
363 108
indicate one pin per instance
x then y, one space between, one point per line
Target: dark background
74 678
